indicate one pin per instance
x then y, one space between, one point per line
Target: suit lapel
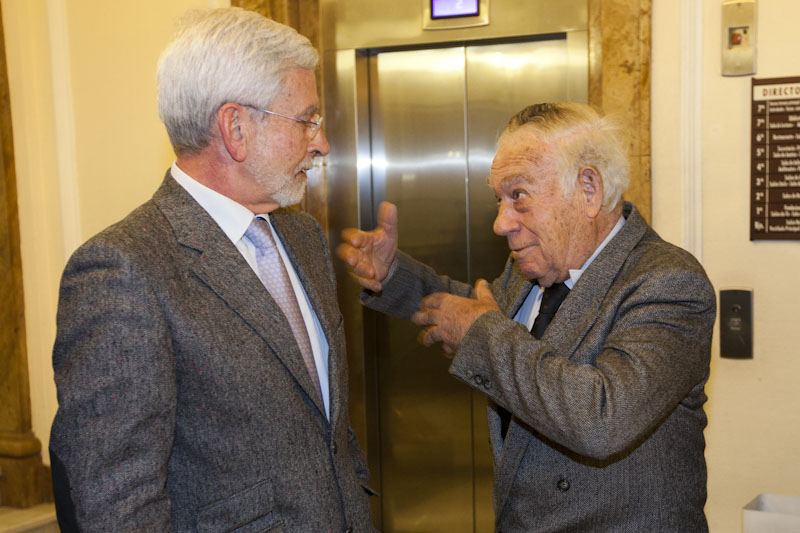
516 287
312 272
579 311
314 275
566 332
508 452
212 257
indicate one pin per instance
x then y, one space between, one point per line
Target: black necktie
551 301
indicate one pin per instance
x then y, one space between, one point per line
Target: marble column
24 481
619 81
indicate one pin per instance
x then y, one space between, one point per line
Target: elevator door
435 115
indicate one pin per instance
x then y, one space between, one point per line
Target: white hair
581 137
219 56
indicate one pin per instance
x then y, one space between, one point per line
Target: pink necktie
276 280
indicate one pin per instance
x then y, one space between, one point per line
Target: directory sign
775 160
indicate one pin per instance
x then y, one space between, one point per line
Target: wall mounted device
736 323
446 14
738 37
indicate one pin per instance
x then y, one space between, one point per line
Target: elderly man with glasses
200 358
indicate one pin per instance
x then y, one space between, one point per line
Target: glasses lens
316 123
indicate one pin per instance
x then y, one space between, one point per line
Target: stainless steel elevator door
434 119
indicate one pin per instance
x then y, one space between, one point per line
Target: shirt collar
232 217
576 273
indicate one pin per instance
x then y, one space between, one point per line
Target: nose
505 222
319 144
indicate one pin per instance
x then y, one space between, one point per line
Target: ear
590 183
232 130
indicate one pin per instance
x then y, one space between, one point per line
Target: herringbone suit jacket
607 432
184 402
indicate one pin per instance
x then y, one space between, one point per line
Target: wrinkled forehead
521 155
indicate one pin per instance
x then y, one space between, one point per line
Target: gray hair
581 137
219 56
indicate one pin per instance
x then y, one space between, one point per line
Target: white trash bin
772 513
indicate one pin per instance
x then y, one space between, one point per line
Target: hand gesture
447 318
370 254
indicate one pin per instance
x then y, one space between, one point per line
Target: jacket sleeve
409 284
606 389
115 375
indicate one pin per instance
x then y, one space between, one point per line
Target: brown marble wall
302 15
24 481
619 81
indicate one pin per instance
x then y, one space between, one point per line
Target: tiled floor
36 519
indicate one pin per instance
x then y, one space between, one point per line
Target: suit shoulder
301 218
143 231
657 265
300 222
653 252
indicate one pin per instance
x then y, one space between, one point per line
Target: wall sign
775 160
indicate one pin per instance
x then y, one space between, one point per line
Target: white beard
292 192
291 189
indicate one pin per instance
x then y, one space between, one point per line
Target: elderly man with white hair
592 345
200 358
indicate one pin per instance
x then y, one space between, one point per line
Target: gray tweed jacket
607 432
184 403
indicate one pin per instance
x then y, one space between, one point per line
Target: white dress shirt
234 219
530 307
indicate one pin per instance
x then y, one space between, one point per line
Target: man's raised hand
369 254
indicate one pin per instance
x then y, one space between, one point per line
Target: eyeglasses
313 125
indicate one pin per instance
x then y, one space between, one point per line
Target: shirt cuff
392 270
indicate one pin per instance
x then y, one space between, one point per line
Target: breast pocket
249 511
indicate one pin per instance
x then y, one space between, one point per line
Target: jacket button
333 448
348 530
563 485
482 381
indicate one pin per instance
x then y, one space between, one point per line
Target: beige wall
88 142
754 406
